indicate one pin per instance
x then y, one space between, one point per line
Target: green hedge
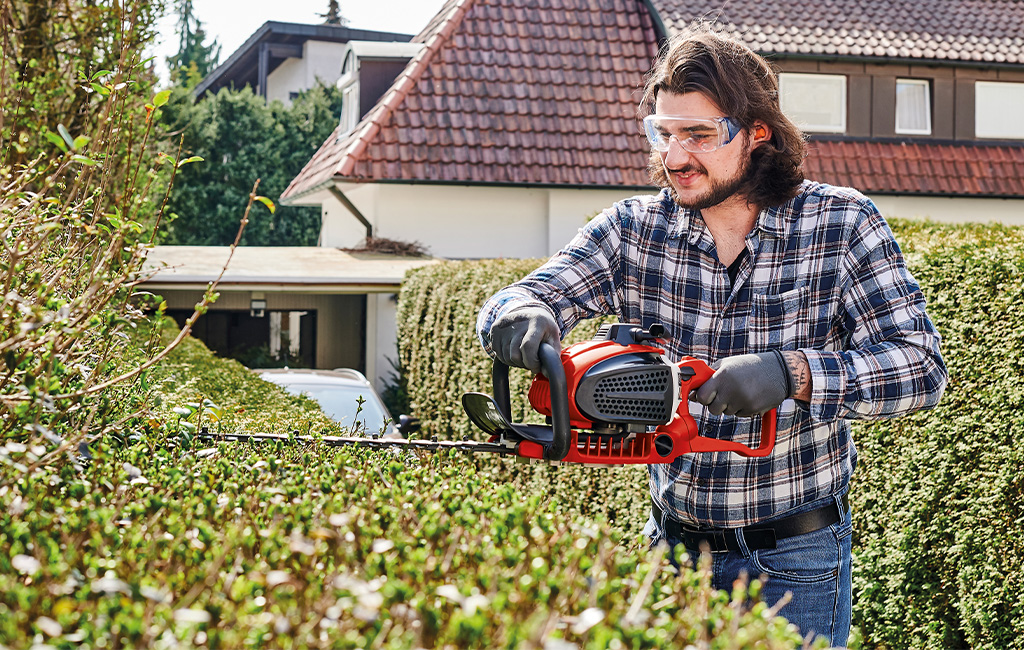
161 542
937 495
441 358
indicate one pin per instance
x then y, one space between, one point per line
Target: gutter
385 286
659 25
338 194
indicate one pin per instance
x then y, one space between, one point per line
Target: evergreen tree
241 138
195 58
333 15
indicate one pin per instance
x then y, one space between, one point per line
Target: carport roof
272 268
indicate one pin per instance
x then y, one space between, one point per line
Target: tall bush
937 496
441 359
76 223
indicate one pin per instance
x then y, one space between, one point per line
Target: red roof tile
982 31
924 169
507 91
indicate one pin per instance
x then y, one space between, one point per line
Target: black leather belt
756 536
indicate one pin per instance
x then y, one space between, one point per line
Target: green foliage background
937 496
241 138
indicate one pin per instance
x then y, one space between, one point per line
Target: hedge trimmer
615 399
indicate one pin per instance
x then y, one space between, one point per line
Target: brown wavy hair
744 85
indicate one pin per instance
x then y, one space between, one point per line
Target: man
796 292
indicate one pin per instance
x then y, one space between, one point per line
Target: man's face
702 180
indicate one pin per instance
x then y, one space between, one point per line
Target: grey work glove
517 335
747 384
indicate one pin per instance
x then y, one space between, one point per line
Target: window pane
997 110
815 102
913 106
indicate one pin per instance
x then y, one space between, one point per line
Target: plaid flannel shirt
823 275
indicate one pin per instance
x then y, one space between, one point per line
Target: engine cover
634 388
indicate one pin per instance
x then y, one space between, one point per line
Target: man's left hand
747 384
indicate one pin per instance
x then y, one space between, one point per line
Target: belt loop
842 505
660 515
741 543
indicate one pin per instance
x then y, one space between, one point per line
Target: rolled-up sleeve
892 365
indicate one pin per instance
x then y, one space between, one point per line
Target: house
515 122
917 104
323 304
518 118
282 59
316 307
512 122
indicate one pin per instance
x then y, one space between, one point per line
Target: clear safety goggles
694 134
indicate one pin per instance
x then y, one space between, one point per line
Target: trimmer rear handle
551 366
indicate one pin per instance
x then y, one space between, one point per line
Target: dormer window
349 86
368 69
997 110
815 102
913 107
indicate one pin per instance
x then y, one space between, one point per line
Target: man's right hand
516 337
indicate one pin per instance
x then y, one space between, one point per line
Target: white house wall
286 78
381 338
320 60
952 210
323 61
459 222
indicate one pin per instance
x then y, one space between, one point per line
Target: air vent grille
637 396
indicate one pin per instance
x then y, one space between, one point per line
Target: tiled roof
508 91
983 31
915 168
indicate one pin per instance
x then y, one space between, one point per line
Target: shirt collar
772 221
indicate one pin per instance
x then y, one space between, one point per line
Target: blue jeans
814 568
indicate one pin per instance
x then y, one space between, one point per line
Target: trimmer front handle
694 373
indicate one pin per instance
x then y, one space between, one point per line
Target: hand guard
747 384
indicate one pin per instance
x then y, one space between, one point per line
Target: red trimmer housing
613 400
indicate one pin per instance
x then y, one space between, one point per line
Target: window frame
928 106
985 133
843 83
348 84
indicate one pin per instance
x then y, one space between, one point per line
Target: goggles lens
694 134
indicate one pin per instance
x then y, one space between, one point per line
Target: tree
241 138
59 60
333 15
195 58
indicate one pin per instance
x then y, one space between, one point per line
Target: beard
720 190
